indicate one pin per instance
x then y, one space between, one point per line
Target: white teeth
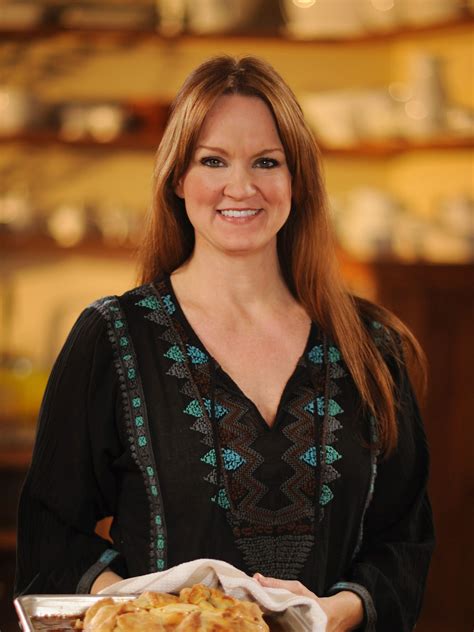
239 213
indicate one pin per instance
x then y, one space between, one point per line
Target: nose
240 183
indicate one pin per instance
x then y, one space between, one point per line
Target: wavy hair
306 245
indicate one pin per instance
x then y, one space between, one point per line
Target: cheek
280 192
198 190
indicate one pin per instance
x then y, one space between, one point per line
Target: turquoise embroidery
221 499
316 354
193 408
150 302
219 410
108 555
309 456
332 454
175 353
232 460
168 303
210 458
135 418
196 355
333 407
326 495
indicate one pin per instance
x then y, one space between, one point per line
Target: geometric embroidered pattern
306 404
275 539
135 415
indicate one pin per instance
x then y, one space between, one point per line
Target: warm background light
388 88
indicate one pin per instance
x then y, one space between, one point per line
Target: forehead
235 117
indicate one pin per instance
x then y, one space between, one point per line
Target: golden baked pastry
197 609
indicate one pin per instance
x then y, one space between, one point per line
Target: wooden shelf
402 31
149 142
125 141
38 246
391 148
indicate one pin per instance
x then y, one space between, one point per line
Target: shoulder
396 344
384 329
106 308
147 300
127 318
101 316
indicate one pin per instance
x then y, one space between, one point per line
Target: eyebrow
221 150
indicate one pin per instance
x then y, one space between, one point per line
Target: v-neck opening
199 344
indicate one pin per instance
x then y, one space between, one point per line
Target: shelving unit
41 138
465 19
35 247
141 141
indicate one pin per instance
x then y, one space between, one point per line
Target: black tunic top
140 423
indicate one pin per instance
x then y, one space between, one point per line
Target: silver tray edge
43 605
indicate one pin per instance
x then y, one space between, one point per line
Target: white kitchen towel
302 614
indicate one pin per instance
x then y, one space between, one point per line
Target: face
237 189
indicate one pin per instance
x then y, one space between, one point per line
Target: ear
179 189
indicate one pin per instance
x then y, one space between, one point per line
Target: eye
266 163
211 161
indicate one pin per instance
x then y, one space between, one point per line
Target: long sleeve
70 484
390 570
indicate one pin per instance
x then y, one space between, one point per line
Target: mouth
240 212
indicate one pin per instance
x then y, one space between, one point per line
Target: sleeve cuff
370 614
85 583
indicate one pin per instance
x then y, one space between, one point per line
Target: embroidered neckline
198 349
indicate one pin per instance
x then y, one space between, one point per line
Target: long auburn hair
306 246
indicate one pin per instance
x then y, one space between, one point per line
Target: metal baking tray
30 606
56 605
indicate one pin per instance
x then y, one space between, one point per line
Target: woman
239 404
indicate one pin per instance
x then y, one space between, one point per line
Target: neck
249 283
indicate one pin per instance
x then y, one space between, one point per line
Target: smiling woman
239 404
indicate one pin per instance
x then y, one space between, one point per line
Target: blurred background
388 88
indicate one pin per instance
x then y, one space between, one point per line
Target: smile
231 212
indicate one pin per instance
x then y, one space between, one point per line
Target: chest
260 361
